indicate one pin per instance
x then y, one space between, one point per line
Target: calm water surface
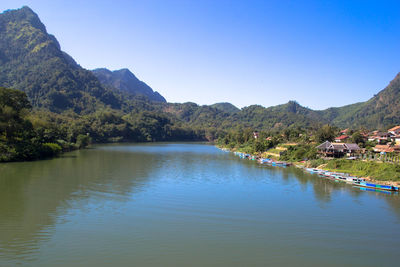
187 205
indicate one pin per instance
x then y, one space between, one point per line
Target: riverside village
366 159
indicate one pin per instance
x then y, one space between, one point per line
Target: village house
392 135
386 149
338 150
383 149
395 130
342 138
380 137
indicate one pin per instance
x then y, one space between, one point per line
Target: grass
375 170
274 151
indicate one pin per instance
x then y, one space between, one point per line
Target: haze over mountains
32 60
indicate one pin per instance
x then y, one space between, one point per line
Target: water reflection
324 188
35 197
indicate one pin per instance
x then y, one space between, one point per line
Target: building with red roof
342 138
395 130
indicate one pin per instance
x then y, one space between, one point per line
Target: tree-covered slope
226 107
126 81
278 117
31 60
380 111
256 117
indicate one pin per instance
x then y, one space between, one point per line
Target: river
171 204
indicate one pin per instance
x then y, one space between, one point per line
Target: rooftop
394 129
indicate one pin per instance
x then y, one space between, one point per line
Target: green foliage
299 152
379 171
50 150
71 108
243 140
83 141
358 138
326 133
24 137
225 107
315 163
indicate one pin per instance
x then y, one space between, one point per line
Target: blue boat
377 186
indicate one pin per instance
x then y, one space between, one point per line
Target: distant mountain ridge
125 80
32 60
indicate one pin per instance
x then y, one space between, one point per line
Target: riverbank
375 172
33 150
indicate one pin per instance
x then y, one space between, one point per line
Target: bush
299 152
315 163
7 153
83 141
50 150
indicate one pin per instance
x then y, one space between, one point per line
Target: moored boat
312 170
378 186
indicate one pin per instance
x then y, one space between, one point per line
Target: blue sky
319 53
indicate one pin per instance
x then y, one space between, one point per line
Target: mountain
31 60
226 107
278 117
126 81
381 111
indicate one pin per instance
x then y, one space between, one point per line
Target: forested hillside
31 60
66 101
381 111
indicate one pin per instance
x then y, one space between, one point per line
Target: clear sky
319 53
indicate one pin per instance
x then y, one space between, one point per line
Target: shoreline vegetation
28 133
61 106
298 148
370 171
27 136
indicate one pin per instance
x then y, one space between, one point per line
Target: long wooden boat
378 186
359 182
312 170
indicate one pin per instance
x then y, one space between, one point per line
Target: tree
83 141
325 133
358 138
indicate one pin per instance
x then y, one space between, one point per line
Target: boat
312 170
378 186
353 179
265 161
377 190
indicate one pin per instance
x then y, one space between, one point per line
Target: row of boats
343 177
262 160
360 182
